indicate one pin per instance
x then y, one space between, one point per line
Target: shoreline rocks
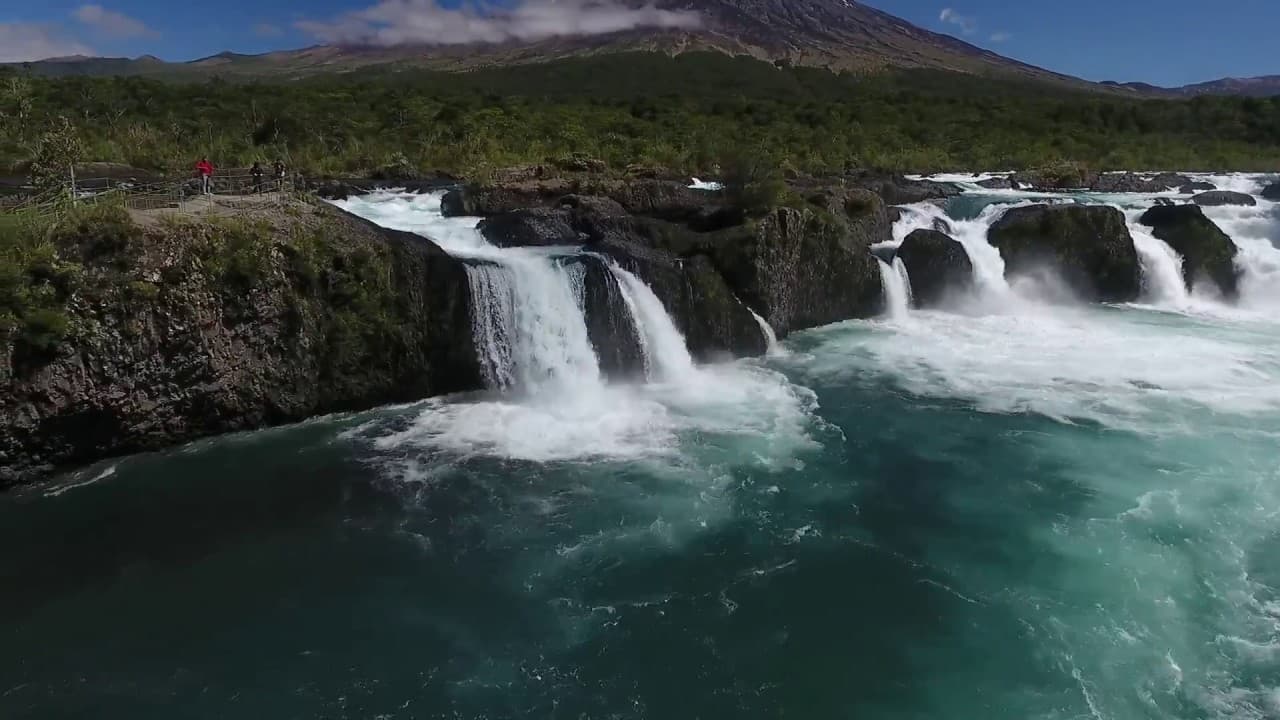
192 329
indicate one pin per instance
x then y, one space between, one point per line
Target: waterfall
901 268
772 347
529 329
897 293
988 266
1162 278
668 355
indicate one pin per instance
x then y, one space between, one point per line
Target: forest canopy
684 113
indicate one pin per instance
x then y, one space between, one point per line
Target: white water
555 405
992 290
897 289
1256 232
772 346
663 343
1162 281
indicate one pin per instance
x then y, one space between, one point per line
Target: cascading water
897 288
530 331
1162 280
988 267
663 344
772 346
1256 233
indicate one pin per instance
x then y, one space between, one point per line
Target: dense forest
684 112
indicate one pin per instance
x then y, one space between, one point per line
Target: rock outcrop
530 227
897 190
610 324
802 268
1065 176
1223 197
1272 192
996 183
1127 183
1088 245
188 330
1208 254
937 265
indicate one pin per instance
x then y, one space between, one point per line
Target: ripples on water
1013 510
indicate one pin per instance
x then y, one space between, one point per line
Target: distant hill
837 34
1265 86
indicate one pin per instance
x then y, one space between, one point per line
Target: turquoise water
923 536
1015 509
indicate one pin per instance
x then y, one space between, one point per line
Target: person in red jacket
205 169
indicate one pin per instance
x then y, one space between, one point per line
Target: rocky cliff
177 330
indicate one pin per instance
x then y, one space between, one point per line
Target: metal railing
178 196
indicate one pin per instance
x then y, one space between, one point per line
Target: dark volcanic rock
180 348
1067 176
896 190
1126 183
1089 245
715 324
1167 180
1272 191
937 265
800 269
1223 197
1207 252
996 183
484 200
610 325
531 227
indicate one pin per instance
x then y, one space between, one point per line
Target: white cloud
1000 37
111 23
424 22
267 30
967 25
23 42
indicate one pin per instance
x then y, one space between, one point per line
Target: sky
1164 42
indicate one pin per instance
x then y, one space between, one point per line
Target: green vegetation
686 113
40 269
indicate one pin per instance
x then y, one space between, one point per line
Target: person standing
278 170
257 172
205 169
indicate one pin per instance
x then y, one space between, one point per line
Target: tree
56 151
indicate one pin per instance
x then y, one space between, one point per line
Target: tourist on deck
278 171
205 170
257 172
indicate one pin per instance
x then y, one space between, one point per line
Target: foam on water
532 337
897 288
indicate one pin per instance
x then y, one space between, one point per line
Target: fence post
72 166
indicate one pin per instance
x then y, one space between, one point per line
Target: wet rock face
1223 197
532 227
1272 192
610 324
1088 246
354 317
937 265
1208 254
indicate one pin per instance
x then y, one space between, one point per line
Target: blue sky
1167 42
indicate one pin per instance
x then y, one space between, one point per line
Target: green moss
43 330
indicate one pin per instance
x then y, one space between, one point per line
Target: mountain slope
838 34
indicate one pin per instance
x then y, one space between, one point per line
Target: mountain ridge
840 35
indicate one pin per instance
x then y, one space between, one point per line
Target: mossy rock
1208 253
1088 245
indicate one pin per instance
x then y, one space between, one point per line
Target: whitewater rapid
555 404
